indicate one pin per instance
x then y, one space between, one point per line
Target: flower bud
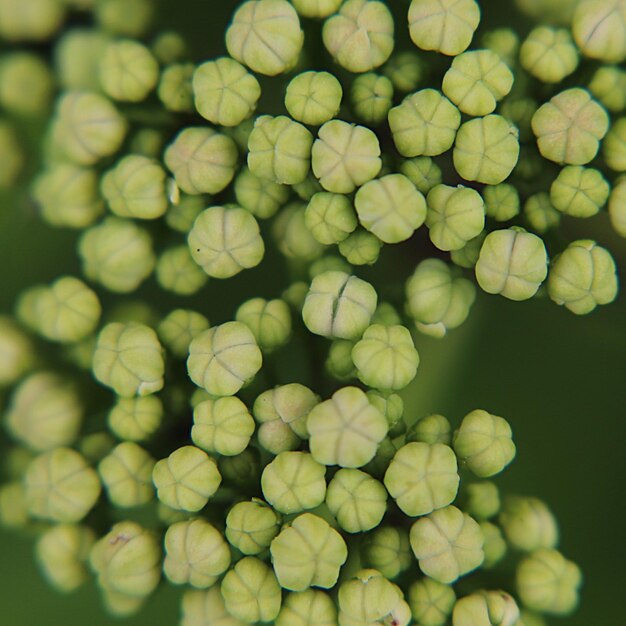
614 146
617 207
293 239
423 172
206 608
251 526
528 524
495 546
177 329
130 18
467 256
504 42
360 247
177 272
392 407
313 97
26 84
135 419
339 362
307 608
599 28
431 602
169 47
579 191
549 54
269 321
540 213
316 8
371 97
76 57
260 196
33 21
430 429
482 500
330 217
16 352
405 70
486 608
388 550
241 469
608 86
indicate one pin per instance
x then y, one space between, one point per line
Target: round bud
316 8
477 81
224 358
357 501
386 314
388 550
495 546
549 54
330 217
486 608
339 306
31 21
482 500
345 156
512 263
360 247
528 524
579 191
307 608
186 479
371 97
251 526
60 486
599 28
392 407
135 419
239 470
446 26
224 92
26 84
178 328
313 97
202 160
129 18
292 237
177 272
504 42
222 426
614 146
486 149
404 70
360 35
617 208
608 86
484 443
16 352
540 214
467 256
339 362
425 123
206 608
502 202
431 602
76 57
583 276
262 197
431 429
447 543
169 47
269 321
569 127
195 554
423 172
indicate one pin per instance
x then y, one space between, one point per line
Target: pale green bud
195 554
135 419
579 191
549 54
95 446
477 81
32 20
484 443
431 429
307 608
269 321
45 412
467 256
502 202
482 500
224 358
251 526
447 543
446 26
206 608
423 172
392 407
422 477
307 188
569 127
425 123
528 524
608 85
308 552
360 247
16 352
266 36
313 97
486 608
582 277
345 156
330 217
175 88
339 306
617 207
260 196
388 550
614 146
512 263
371 97
202 160
316 8
386 314
540 212
178 328
121 604
60 486
148 142
547 582
346 429
130 18
486 149
431 602
339 362
12 155
360 35
329 263
241 469
186 479
405 71
76 57
13 505
495 546
599 28
357 500
251 592
504 42
169 47
26 84
293 238
176 271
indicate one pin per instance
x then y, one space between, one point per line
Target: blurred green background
560 380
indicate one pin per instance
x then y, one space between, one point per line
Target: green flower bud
447 543
569 127
206 608
502 202
292 237
423 172
339 306
117 254
128 71
357 500
126 474
269 321
195 554
512 263
34 20
130 18
240 470
60 486
431 602
121 604
404 70
95 446
135 419
313 97
26 84
294 482
431 429
316 8
251 592
87 127
308 552
346 429
178 328
307 608
486 608
548 582
360 35
614 146
482 500
422 477
477 81
371 97
330 217
224 358
13 505
446 26
579 191
437 300
345 156
528 524
127 560
186 479
222 426
467 256
385 357
339 362
484 443
608 86
388 550
266 36
583 276
169 47
392 407
549 54
360 247
129 359
455 215
617 208
16 352
76 58
224 92
486 149
202 160
260 196
424 124
386 314
504 42
148 142
494 547
176 271
12 155
540 213
599 28
251 526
